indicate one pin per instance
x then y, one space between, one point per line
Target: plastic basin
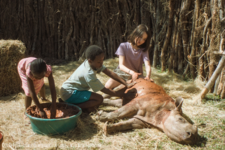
1 140
54 126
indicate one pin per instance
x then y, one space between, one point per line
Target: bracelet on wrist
130 72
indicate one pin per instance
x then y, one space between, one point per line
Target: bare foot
105 128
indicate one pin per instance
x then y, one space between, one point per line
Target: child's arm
32 93
127 70
112 93
53 94
148 71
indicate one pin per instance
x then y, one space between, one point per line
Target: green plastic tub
54 126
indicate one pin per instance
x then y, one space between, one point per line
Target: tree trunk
172 52
222 95
180 54
183 16
201 59
194 39
63 29
221 81
168 35
157 7
212 44
213 78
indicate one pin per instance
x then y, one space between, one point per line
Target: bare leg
110 84
94 101
42 92
132 123
28 101
116 102
123 112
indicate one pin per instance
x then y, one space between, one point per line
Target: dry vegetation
11 51
209 116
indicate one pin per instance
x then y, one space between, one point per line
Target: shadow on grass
48 91
86 129
214 100
201 142
211 97
12 97
187 118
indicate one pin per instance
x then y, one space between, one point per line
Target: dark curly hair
93 51
138 32
38 66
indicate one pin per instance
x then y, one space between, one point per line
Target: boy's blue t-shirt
83 78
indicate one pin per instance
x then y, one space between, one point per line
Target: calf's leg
116 102
126 111
132 123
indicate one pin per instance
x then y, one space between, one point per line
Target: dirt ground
208 116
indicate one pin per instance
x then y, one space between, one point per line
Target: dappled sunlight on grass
209 117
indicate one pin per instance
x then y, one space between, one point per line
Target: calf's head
178 128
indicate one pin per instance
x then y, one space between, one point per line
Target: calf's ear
178 103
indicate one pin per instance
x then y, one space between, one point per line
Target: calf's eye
181 120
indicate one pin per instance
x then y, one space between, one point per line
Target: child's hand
53 110
131 94
120 94
42 113
135 76
149 79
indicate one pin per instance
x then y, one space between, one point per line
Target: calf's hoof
102 116
106 96
105 128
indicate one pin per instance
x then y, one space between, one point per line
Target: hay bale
11 52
